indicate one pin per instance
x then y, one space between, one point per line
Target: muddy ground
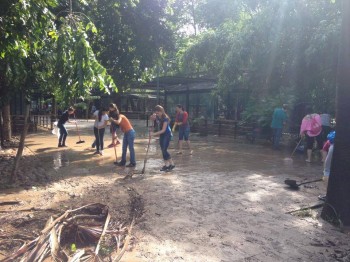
226 202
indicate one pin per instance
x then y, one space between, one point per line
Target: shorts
184 134
310 141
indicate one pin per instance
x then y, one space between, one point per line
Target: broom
80 141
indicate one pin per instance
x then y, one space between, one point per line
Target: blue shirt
278 118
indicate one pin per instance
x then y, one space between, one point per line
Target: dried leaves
82 234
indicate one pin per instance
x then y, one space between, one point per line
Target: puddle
60 160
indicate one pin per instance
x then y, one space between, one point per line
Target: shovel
293 183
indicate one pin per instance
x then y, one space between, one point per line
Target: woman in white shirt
101 119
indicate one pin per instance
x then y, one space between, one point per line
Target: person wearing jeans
128 139
101 119
164 136
63 131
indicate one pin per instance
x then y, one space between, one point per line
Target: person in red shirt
181 121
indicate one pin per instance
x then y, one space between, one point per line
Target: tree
270 49
31 46
337 206
131 35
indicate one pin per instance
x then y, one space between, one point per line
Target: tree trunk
337 207
1 132
21 145
6 117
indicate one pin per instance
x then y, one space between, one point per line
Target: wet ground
226 202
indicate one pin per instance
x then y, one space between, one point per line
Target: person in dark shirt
114 113
63 131
165 135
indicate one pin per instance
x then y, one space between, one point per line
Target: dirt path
227 202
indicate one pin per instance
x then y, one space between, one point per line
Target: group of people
314 128
111 115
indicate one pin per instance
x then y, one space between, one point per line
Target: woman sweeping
63 131
101 120
128 139
164 137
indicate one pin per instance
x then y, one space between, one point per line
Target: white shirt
101 123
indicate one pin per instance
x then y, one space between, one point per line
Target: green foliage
266 48
38 57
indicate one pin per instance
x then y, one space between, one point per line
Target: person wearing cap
279 119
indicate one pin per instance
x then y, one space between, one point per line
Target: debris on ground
87 233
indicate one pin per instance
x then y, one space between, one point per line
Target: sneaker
131 165
308 161
101 153
96 152
118 142
171 167
120 163
111 145
93 145
164 168
191 152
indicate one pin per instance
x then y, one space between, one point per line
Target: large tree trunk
337 207
1 132
21 145
6 117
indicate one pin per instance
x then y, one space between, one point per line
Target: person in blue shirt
165 135
279 119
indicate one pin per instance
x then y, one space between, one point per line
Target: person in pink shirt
311 128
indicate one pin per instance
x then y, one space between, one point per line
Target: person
63 131
328 148
93 109
128 139
311 128
326 126
164 137
328 160
181 120
279 118
101 120
113 112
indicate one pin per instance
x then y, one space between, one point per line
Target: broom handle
77 127
312 181
296 147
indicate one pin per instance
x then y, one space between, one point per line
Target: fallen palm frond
82 234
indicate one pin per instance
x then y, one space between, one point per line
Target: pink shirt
311 125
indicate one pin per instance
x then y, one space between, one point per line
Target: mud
226 202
